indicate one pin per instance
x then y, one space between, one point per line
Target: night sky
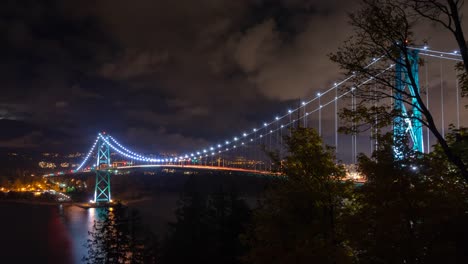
162 75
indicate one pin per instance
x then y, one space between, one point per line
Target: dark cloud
162 74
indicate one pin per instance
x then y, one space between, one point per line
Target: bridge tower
408 124
102 191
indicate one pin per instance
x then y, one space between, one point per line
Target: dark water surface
56 234
33 233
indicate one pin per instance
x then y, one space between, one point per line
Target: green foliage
299 218
207 229
120 238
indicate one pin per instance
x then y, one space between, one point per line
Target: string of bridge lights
454 55
140 157
119 151
280 117
318 108
88 155
221 148
426 52
135 156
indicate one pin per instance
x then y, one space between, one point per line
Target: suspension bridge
245 152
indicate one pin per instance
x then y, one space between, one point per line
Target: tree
207 229
410 210
383 35
120 238
299 219
448 14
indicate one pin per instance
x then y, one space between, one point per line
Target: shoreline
35 202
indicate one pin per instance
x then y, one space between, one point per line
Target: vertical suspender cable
320 115
336 121
442 99
427 106
376 119
458 104
269 149
304 113
371 131
353 135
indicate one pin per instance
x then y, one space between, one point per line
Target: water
54 234
33 233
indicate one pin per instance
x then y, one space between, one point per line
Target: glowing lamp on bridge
265 124
245 134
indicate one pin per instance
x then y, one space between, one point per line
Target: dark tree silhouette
299 218
410 210
206 229
120 238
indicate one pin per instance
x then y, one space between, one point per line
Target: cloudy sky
161 75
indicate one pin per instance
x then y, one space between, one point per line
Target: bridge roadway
354 178
198 167
171 166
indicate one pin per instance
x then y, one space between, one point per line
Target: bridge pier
102 191
409 121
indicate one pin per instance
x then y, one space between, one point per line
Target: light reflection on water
79 223
57 234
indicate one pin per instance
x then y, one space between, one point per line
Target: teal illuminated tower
102 191
408 124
